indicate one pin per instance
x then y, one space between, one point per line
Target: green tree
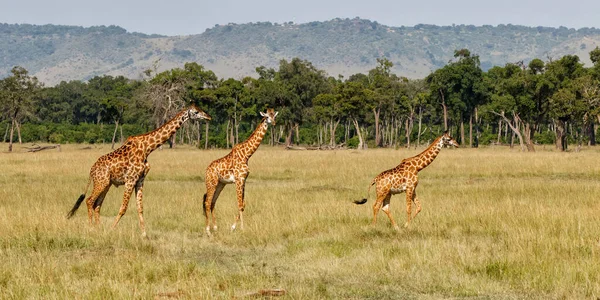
17 96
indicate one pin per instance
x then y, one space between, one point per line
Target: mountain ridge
54 53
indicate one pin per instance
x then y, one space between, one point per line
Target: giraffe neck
248 147
428 155
160 135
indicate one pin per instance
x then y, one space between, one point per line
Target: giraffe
128 166
233 168
404 178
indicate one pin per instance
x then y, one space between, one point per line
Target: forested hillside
341 46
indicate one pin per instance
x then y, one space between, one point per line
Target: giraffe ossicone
128 166
233 168
404 178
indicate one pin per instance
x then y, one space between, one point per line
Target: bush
353 142
56 138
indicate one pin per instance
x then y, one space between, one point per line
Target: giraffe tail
78 202
204 205
364 200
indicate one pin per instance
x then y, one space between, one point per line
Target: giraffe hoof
215 228
406 225
144 235
233 227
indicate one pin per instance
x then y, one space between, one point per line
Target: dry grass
495 223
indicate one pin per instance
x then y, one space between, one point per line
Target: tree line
556 101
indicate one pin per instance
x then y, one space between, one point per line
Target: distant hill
340 46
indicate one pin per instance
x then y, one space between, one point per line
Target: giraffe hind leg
211 186
100 189
218 190
98 204
378 204
386 210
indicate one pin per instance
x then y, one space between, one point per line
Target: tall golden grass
496 223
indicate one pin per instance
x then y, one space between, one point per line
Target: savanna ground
496 223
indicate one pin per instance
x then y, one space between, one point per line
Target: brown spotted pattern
128 166
404 178
233 168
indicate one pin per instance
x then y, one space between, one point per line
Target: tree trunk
334 126
199 134
19 132
528 133
462 132
591 132
514 128
10 137
114 134
407 130
471 131
360 138
561 135
288 138
297 127
376 113
206 135
420 122
445 108
476 139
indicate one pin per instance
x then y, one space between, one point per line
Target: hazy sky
183 17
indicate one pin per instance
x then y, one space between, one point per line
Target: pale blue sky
183 17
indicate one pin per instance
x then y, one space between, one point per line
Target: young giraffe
404 178
233 168
128 166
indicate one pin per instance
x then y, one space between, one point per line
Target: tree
565 105
353 98
303 82
17 94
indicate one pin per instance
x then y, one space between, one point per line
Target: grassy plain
496 224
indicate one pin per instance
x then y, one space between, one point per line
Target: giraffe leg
409 199
386 210
98 192
417 203
218 190
378 204
240 185
212 181
126 195
98 204
139 187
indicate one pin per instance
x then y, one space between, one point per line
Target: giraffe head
196 113
270 115
447 140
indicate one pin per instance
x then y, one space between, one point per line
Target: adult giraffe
128 166
233 168
404 178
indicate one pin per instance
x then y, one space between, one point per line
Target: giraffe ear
263 114
275 114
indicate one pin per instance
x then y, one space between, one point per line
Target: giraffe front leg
126 195
409 199
139 187
240 185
